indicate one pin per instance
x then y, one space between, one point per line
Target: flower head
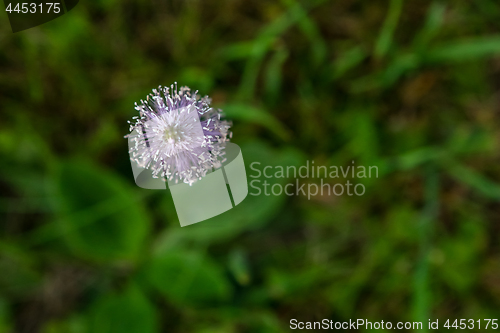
178 135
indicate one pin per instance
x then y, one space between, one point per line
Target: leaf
406 62
310 29
129 312
418 157
474 179
361 131
187 278
465 50
258 116
384 40
236 51
238 266
435 17
99 217
348 60
274 74
282 284
197 77
19 275
264 42
400 65
76 323
4 316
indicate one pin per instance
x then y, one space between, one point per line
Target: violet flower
177 135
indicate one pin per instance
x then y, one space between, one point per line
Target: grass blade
384 41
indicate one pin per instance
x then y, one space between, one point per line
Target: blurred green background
411 87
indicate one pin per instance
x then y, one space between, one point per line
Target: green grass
409 87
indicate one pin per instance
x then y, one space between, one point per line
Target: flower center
173 134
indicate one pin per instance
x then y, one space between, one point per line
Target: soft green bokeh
412 87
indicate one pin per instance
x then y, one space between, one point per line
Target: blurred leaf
362 132
264 42
239 50
473 48
257 116
466 140
104 136
264 322
403 222
400 65
129 311
422 301
463 250
274 74
489 9
434 21
19 275
188 278
310 30
100 218
281 284
74 324
224 328
384 41
348 60
238 266
197 77
418 157
406 62
4 316
468 176
32 50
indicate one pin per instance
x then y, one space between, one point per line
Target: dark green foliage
411 87
188 278
100 218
